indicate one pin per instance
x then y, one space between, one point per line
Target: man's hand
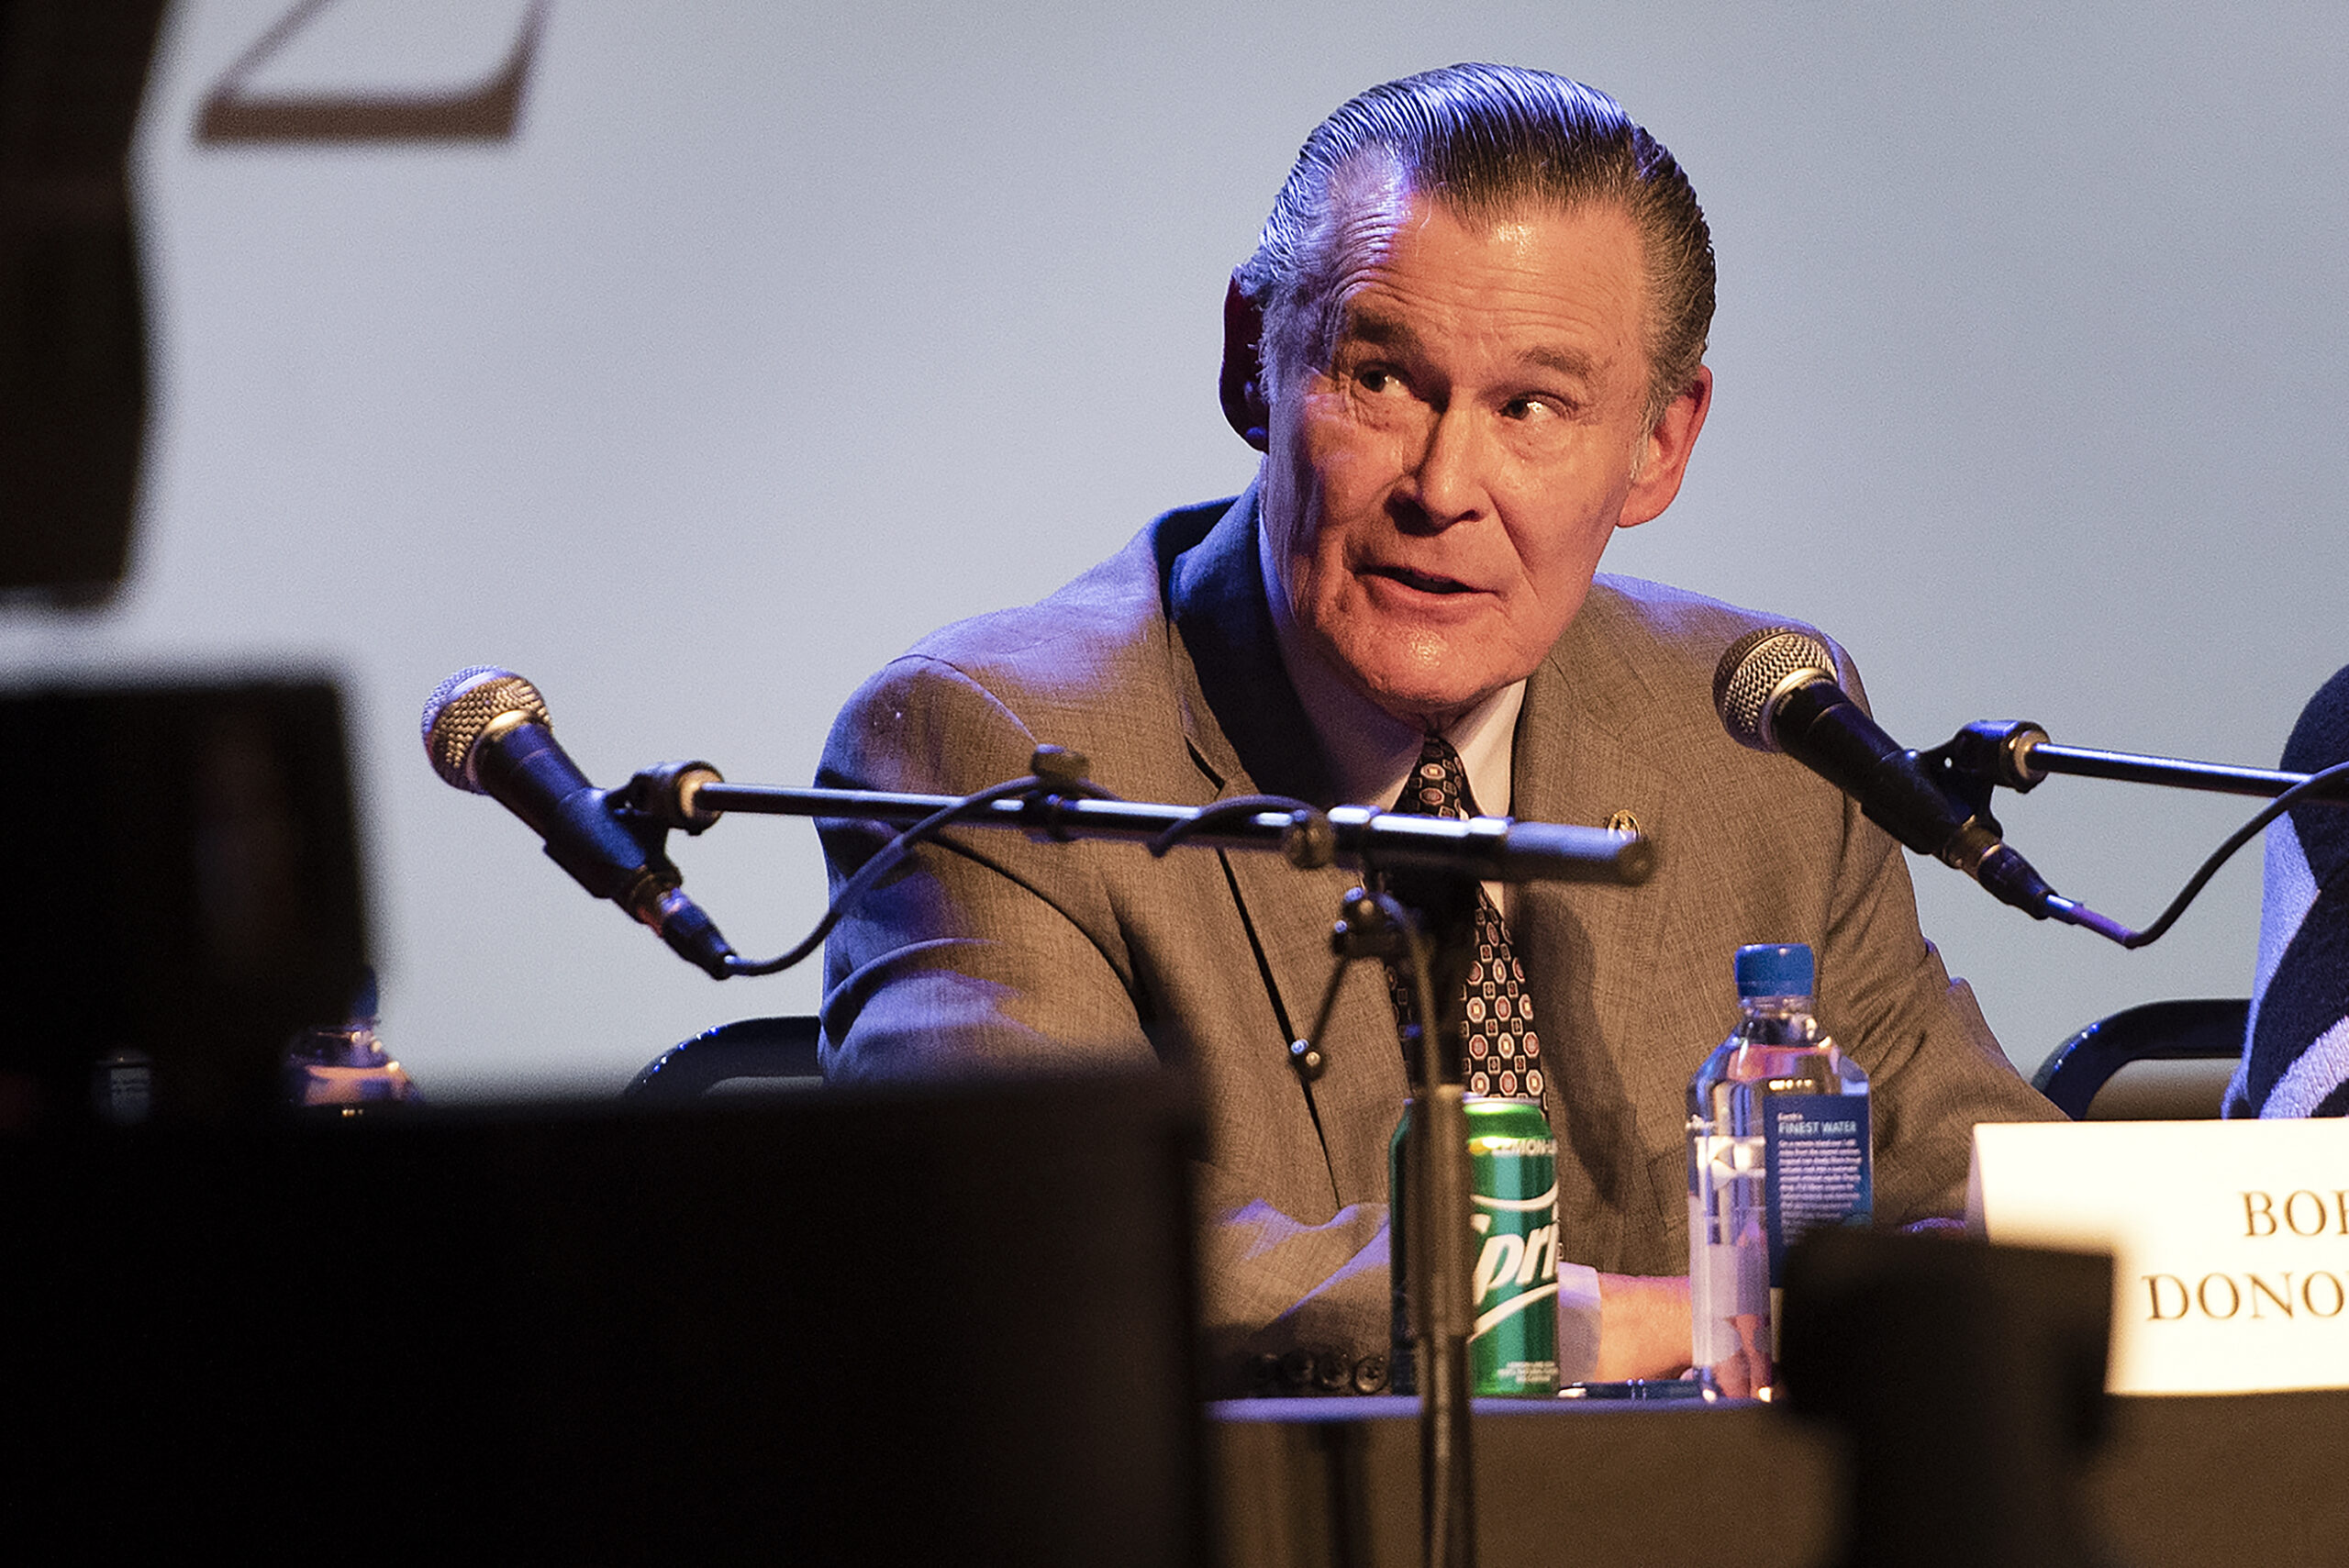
1948 1230
1642 1327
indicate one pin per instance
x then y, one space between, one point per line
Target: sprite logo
1517 1266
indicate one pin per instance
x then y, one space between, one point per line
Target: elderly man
1470 347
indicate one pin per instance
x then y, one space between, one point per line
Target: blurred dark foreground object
72 322
949 1326
1968 1384
2192 1482
185 895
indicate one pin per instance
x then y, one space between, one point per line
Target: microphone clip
663 796
1987 754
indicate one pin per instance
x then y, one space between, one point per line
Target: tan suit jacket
993 953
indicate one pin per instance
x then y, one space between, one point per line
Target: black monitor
184 894
945 1327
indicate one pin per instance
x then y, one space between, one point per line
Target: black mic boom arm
1487 848
2016 754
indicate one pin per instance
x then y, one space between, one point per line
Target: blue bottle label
1816 1163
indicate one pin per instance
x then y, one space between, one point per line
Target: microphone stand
2017 754
1437 1265
1482 849
1434 865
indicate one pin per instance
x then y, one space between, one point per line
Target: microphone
486 730
1778 689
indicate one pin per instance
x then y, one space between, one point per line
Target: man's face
1438 497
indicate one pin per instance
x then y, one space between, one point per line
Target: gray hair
1489 141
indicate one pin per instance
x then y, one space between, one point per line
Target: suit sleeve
982 951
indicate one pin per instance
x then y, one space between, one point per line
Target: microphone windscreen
1756 669
464 707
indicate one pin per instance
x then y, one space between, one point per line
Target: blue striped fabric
2295 1049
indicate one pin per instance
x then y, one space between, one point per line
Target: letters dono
2220 1297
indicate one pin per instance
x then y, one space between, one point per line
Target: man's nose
1447 484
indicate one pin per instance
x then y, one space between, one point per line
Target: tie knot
1438 786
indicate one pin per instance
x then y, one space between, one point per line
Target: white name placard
2230 1240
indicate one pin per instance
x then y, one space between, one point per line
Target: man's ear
1242 385
1664 456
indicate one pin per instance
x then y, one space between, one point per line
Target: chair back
2199 1029
781 1051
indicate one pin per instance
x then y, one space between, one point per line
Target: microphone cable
2308 788
893 853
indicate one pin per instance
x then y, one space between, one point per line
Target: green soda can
1513 1285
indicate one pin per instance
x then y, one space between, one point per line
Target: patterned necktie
1504 1054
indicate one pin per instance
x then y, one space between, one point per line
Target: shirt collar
1370 751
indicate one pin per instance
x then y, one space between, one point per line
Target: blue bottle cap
1782 969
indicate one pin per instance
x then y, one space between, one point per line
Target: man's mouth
1422 581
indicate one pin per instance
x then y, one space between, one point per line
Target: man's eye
1524 407
1376 378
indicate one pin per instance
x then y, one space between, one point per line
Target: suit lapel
1241 713
1589 949
1249 735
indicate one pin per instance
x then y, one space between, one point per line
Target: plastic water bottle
1779 1143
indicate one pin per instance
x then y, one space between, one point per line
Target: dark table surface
2239 1478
